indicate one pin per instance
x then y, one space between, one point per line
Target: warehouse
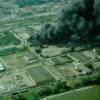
78 57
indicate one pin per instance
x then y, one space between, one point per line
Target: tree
21 97
13 97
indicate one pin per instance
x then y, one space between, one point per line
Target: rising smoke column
78 18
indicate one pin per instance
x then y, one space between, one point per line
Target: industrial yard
42 71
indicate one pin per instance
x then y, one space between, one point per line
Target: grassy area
82 94
9 50
26 96
7 38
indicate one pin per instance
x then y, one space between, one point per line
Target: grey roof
78 57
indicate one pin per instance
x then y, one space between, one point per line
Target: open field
40 75
16 60
7 38
92 93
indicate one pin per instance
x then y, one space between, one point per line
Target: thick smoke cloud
79 20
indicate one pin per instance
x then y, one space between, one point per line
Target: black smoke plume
79 21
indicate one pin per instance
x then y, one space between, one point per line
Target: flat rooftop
78 57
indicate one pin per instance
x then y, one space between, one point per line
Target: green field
7 38
92 93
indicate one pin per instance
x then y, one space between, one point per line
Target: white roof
1 67
52 51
